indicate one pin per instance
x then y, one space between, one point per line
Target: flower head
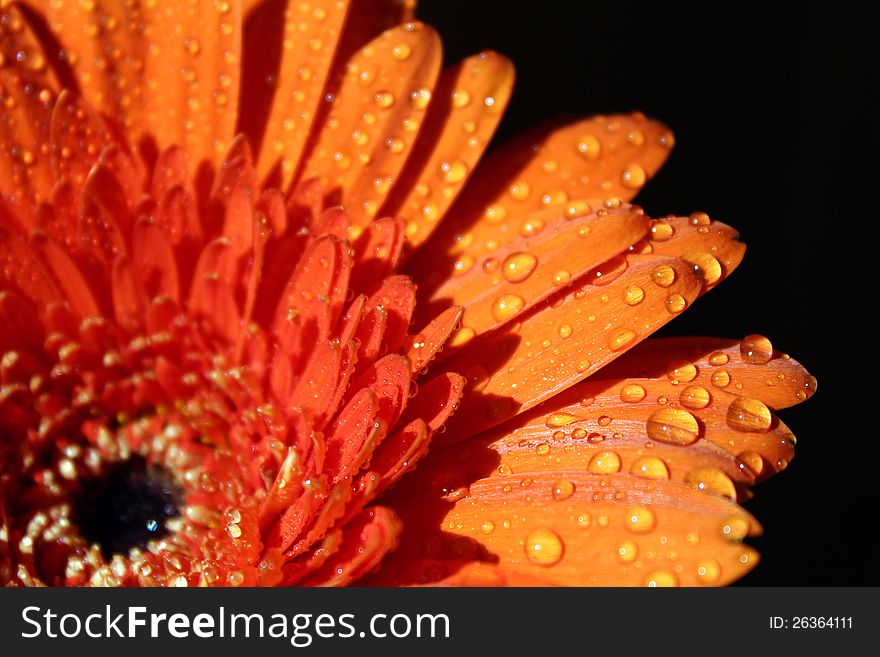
250 269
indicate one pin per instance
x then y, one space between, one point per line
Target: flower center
126 506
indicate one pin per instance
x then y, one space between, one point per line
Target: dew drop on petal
663 275
507 306
632 393
746 414
694 397
661 578
519 266
620 339
673 425
649 467
756 350
544 547
604 463
640 519
712 481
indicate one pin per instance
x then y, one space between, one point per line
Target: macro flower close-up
273 313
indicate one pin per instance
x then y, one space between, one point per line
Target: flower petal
468 104
710 245
367 539
422 347
602 530
377 252
561 342
381 98
735 366
285 70
587 161
28 89
524 270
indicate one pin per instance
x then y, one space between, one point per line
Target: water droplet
633 296
632 393
717 358
649 467
735 529
562 490
420 98
640 519
661 230
519 191
453 171
756 350
752 460
565 331
661 578
712 481
519 266
556 420
401 52
589 147
383 99
675 303
584 520
488 527
699 219
604 463
620 339
560 277
746 414
720 379
709 267
709 571
673 425
695 397
507 306
544 547
627 551
463 265
663 275
460 98
531 226
633 176
681 371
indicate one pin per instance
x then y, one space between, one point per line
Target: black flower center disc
127 506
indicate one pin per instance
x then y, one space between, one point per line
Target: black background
773 137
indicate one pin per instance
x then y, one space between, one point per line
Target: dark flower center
127 506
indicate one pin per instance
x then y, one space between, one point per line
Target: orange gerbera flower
209 375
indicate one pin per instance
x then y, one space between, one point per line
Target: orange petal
76 289
128 299
710 245
154 261
382 98
422 347
524 270
585 161
566 339
27 91
187 59
377 252
397 297
577 528
398 453
437 399
367 539
349 434
748 368
286 69
323 272
104 43
468 104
